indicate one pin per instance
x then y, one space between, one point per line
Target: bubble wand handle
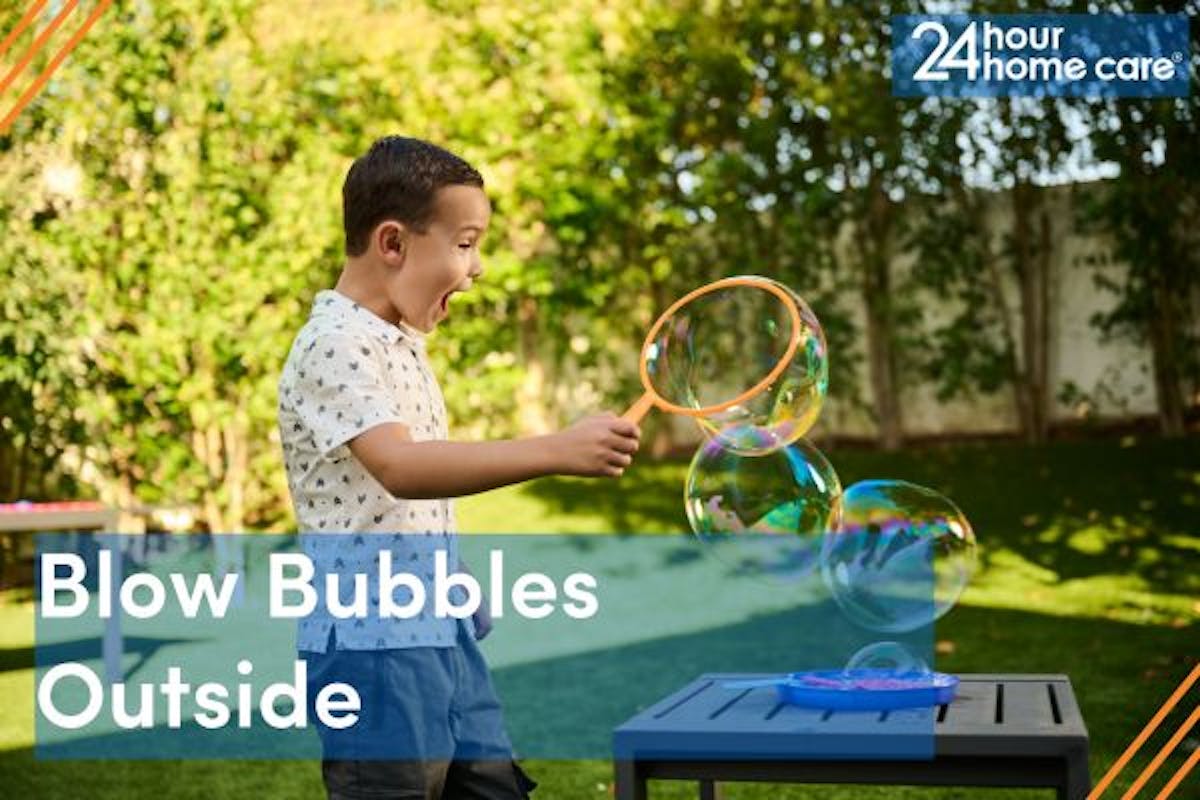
639 409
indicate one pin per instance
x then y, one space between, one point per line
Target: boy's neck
355 284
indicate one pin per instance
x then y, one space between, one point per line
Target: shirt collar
332 303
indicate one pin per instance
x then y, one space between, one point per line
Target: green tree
1149 210
171 167
187 162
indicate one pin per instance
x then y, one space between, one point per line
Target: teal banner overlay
167 646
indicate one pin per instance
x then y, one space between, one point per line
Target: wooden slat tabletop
1000 715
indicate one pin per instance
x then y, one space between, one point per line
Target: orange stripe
1179 775
1166 750
1151 726
21 26
37 44
59 57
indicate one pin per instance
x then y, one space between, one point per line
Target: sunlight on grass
1013 582
16 684
1183 542
514 510
647 499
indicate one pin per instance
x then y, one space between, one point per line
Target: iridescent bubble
723 343
788 408
901 557
887 657
768 513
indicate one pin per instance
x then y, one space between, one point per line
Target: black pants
425 780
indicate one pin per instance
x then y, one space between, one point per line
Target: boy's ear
391 238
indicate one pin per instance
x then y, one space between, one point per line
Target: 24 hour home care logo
1076 55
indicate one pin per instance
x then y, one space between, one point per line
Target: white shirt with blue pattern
349 371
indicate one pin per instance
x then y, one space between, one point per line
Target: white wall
1116 373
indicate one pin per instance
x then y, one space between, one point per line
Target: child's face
442 260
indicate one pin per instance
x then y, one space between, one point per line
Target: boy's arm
597 446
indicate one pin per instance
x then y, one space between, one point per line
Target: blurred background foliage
171 202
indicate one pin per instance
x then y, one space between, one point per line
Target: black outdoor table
1001 730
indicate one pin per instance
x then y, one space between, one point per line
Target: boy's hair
397 179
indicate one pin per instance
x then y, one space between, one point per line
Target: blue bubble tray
859 689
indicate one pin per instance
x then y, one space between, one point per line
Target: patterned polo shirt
349 371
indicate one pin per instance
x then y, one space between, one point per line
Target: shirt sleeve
340 391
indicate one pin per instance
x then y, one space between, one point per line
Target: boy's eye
467 245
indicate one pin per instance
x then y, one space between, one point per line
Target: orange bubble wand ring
651 398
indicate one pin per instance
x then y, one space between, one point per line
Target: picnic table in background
74 516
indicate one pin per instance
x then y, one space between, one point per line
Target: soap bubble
721 344
767 513
901 557
887 657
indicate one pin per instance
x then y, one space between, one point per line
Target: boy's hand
599 446
483 619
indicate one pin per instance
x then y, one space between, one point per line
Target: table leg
1077 782
710 790
631 784
112 642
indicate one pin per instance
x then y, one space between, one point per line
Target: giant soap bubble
766 513
901 557
886 657
719 345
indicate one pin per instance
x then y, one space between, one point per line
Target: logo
1041 55
33 49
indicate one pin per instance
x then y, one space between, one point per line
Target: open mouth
444 302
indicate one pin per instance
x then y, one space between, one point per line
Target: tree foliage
170 204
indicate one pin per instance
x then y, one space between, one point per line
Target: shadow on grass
85 650
647 499
1079 509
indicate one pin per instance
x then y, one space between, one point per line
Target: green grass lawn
1090 566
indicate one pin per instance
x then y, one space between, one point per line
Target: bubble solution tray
860 689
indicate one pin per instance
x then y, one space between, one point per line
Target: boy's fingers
620 459
617 459
624 427
625 445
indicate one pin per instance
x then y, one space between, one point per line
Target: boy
364 436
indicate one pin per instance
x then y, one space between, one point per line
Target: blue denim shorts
429 716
